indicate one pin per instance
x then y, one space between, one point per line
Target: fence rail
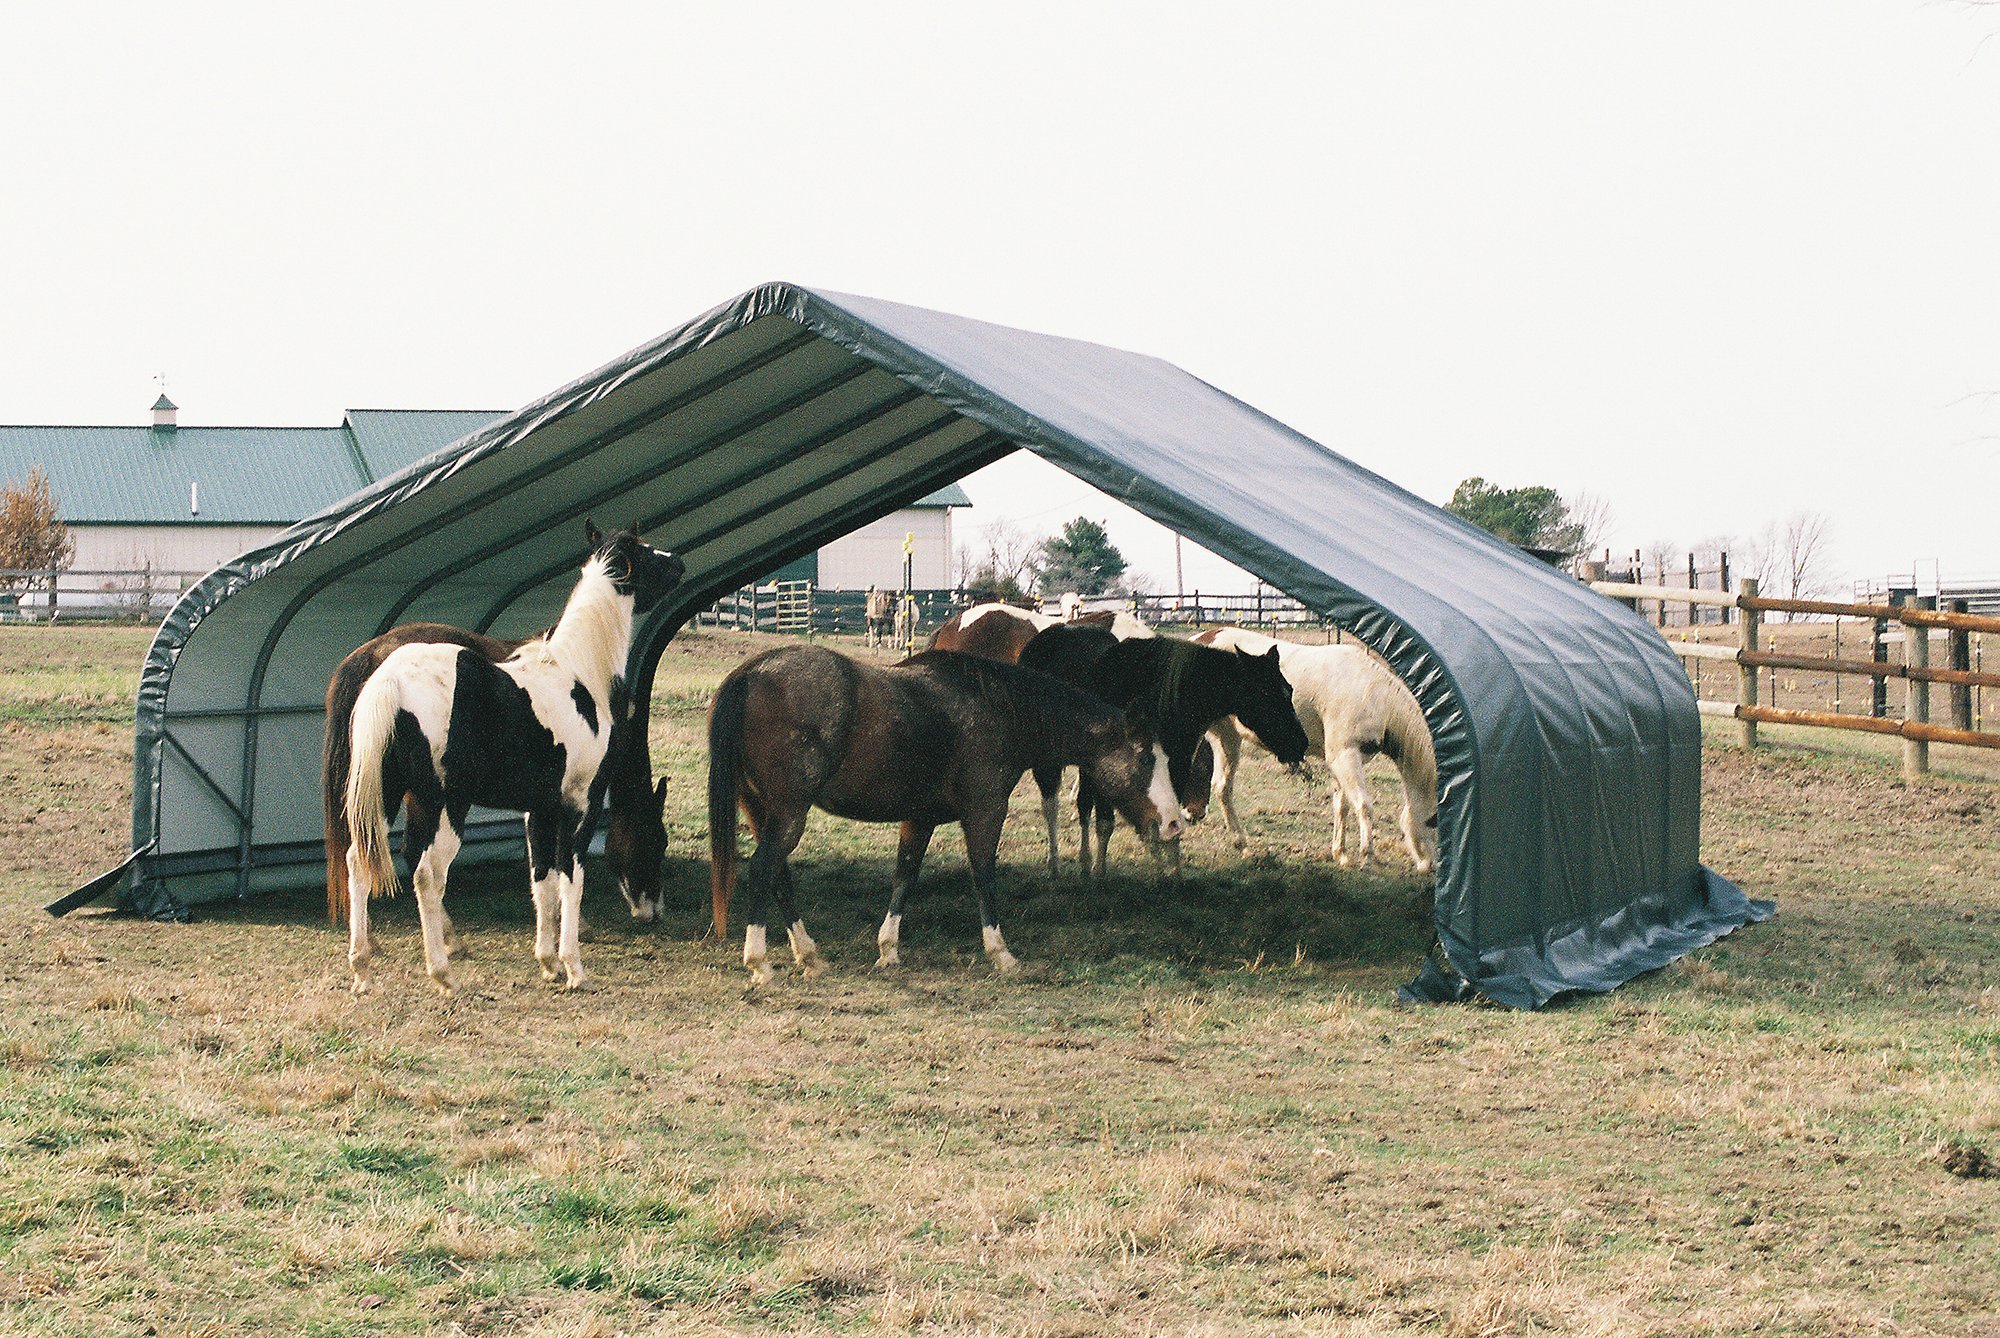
130 594
1918 615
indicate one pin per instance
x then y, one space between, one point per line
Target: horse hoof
575 980
760 976
443 984
549 972
888 961
812 966
1005 963
643 913
360 986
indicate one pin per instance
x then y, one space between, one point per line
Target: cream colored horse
1352 707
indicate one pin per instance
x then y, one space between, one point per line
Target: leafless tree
1801 557
1659 558
1590 512
1000 558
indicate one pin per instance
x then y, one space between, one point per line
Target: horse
634 844
1179 689
941 737
999 632
1351 707
992 631
1121 624
441 727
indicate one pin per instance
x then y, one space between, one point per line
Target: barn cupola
163 414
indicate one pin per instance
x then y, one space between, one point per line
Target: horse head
1130 769
1264 704
647 574
635 846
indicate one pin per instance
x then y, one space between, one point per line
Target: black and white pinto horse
634 843
447 728
1174 689
939 738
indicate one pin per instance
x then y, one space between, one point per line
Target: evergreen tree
1530 517
1082 558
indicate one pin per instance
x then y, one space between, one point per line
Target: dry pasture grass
1199 1110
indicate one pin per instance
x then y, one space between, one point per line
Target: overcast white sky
1714 261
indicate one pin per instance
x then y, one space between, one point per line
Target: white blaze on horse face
1160 793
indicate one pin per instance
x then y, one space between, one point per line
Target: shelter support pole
1746 674
1917 695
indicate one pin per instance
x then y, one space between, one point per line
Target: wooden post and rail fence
1917 615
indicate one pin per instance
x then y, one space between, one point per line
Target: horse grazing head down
1264 705
645 573
1128 765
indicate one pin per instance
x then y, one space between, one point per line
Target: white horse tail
373 727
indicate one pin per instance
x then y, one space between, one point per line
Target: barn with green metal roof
181 501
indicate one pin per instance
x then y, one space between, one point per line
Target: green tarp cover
1567 739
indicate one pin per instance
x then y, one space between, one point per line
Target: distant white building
184 500
873 554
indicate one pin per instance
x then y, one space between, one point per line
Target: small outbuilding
1567 738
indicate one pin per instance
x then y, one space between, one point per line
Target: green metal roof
949 495
247 475
145 476
390 439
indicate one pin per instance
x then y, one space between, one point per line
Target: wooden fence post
1878 695
1958 655
1746 674
1722 583
1917 697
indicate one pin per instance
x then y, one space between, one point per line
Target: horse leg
1048 782
911 843
1228 741
805 953
1352 781
360 943
1105 819
569 865
982 850
545 882
777 835
421 829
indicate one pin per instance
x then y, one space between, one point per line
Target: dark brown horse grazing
634 844
938 738
1178 690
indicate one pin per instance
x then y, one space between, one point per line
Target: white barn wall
873 554
182 548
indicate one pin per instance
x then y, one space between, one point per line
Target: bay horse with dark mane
938 738
1174 689
440 726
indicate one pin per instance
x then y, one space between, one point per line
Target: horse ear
591 533
660 792
1272 655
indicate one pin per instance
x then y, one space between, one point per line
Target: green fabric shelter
1567 737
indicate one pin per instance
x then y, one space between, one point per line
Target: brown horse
938 738
994 632
1181 689
634 845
